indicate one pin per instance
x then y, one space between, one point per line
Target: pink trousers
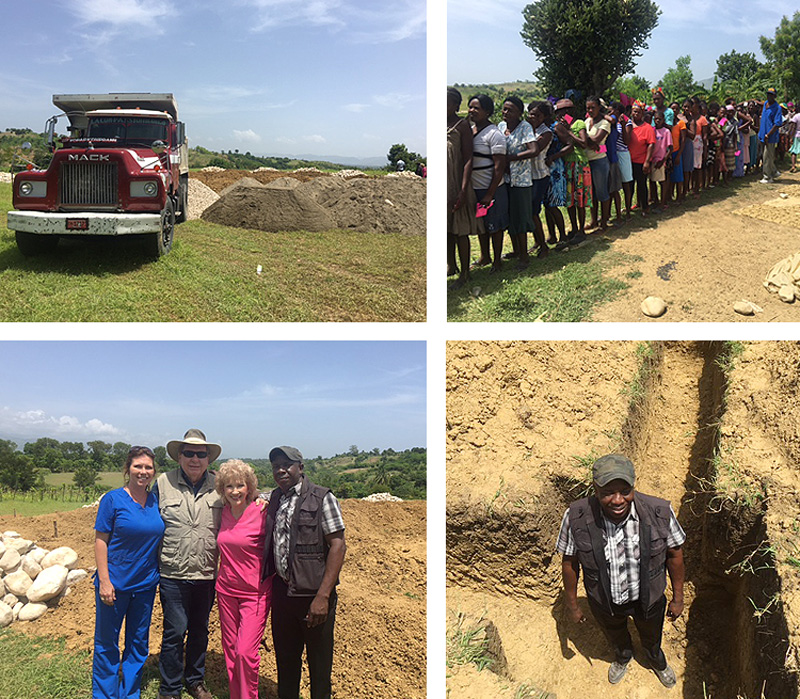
242 623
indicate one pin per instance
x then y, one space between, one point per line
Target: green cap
612 466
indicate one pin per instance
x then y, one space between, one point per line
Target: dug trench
504 577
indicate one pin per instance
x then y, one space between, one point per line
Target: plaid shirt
332 521
621 551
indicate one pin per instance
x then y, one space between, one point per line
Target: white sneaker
765 180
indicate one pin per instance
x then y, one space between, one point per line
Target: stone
32 611
10 535
63 556
76 576
786 293
744 308
18 583
10 560
21 545
10 599
6 615
48 584
654 307
2 548
37 553
30 566
16 609
2 588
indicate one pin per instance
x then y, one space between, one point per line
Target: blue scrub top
133 546
770 115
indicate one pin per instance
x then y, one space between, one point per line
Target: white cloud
273 13
32 424
248 136
314 138
122 14
355 107
391 99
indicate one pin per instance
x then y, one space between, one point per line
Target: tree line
351 474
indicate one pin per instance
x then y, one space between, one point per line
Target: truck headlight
33 189
147 188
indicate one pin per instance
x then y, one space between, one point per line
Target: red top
641 136
241 548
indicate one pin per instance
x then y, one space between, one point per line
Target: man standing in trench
626 542
191 510
304 549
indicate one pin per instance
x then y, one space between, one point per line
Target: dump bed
76 106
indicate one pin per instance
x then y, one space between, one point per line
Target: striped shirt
621 551
621 146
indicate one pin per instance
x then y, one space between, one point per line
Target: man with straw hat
191 510
626 542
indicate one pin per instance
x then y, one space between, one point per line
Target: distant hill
11 141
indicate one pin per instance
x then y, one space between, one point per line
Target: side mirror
158 147
26 145
180 133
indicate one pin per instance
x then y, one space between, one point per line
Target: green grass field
210 276
564 287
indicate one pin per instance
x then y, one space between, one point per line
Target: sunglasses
190 454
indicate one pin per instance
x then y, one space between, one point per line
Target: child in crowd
662 153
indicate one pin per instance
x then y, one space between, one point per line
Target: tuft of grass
561 288
732 484
468 644
731 353
210 275
529 691
636 389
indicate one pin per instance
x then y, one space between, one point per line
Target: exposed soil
507 490
380 623
311 201
719 248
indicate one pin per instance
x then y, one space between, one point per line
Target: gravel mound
201 196
382 497
5 177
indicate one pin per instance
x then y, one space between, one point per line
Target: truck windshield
128 131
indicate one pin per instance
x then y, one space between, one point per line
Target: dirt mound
372 205
380 624
221 179
518 412
271 210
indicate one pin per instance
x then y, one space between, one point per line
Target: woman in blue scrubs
128 532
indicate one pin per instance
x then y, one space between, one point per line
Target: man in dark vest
626 542
304 549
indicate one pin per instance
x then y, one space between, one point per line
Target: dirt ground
312 201
524 422
381 618
710 253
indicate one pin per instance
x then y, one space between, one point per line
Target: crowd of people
553 155
196 535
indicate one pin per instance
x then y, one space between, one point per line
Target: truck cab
123 170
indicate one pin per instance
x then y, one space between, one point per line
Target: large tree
587 44
730 66
783 53
16 469
678 82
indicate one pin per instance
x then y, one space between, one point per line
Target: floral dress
557 192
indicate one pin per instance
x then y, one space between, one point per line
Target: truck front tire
158 244
31 244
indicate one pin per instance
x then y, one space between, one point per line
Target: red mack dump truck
123 170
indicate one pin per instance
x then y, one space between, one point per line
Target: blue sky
321 397
273 77
484 44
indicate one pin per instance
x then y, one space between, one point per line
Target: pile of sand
371 205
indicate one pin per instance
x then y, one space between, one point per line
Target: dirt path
704 257
672 432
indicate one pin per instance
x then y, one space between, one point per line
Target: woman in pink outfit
243 598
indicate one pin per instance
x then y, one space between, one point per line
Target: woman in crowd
624 127
128 532
461 221
519 151
597 130
557 188
688 149
643 141
676 180
538 113
754 112
243 597
579 175
794 149
700 144
488 167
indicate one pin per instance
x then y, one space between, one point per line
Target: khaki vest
587 531
189 547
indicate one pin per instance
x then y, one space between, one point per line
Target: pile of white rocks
382 497
6 177
33 579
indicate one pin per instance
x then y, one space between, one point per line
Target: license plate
77 224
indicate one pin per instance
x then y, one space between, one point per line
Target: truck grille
88 184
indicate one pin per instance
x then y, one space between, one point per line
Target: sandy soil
380 624
507 490
703 257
